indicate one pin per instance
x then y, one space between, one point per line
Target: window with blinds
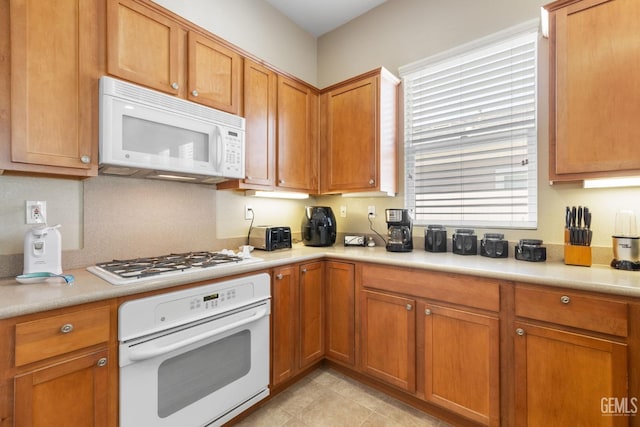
471 134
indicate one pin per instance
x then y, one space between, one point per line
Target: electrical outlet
35 212
343 211
371 211
248 212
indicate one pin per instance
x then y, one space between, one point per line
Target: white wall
256 27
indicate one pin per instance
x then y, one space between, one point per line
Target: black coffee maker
399 227
318 226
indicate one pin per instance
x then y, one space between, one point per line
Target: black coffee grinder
399 228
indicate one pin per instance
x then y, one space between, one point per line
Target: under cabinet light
630 181
276 194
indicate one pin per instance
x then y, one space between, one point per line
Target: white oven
194 357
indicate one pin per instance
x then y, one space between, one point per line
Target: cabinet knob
409 307
279 276
520 331
194 92
66 328
281 181
427 312
565 299
304 270
85 159
249 177
371 182
175 85
102 362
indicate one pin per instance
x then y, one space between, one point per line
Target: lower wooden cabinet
565 378
69 393
297 316
461 364
58 368
340 312
388 338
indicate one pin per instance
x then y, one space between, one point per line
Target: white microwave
145 133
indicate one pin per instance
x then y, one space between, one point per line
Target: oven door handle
137 354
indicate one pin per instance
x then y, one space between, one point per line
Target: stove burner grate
144 267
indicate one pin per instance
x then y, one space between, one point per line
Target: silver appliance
189 265
194 357
145 133
626 242
43 250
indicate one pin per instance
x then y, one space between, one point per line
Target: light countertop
18 299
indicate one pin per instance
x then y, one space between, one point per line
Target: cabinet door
562 378
595 127
461 362
54 92
340 327
143 46
71 393
284 318
297 154
311 313
215 74
260 103
388 338
350 140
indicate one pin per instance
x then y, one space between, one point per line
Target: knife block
576 254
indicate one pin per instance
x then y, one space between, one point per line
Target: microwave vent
124 90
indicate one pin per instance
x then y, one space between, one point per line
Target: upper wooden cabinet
54 50
358 134
260 100
144 46
297 147
151 48
594 89
215 74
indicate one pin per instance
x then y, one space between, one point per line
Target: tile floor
326 398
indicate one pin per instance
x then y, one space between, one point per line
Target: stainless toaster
269 238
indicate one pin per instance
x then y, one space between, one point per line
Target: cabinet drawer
56 335
572 309
460 289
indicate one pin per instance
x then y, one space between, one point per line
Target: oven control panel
205 303
156 313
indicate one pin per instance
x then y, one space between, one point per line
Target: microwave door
143 136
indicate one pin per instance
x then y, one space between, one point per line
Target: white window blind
471 134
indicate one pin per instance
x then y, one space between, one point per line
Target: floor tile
326 398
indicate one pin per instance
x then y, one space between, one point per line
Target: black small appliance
318 226
464 242
531 250
493 245
435 238
399 228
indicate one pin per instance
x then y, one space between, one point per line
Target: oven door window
188 377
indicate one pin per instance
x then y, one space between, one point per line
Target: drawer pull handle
66 328
279 276
565 299
102 362
427 312
409 307
520 331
